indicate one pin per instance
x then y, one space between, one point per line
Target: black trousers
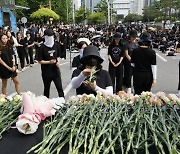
58 83
116 74
179 77
127 73
29 54
63 51
21 55
142 81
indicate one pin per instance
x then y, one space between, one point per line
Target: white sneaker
128 90
17 71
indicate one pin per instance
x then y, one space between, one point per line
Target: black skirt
6 74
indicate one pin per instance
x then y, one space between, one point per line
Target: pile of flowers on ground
88 124
9 109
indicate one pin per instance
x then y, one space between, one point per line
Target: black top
47 54
7 56
130 46
76 62
143 58
103 80
21 48
116 52
28 42
38 40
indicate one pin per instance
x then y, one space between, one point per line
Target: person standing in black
143 60
38 41
63 41
7 65
115 56
129 47
48 57
29 43
21 50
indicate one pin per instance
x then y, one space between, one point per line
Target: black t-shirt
143 58
47 54
130 46
76 62
103 80
38 40
28 42
116 52
7 56
21 42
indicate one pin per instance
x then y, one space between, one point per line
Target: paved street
31 80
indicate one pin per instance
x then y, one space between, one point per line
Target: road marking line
67 89
162 58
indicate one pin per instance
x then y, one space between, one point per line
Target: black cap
133 33
49 32
92 51
117 35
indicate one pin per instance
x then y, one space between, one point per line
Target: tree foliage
79 14
97 18
45 14
133 18
61 7
163 9
102 7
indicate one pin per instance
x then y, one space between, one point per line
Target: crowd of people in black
126 45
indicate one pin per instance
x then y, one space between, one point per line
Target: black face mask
91 61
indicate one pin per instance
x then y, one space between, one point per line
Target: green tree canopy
133 18
96 18
44 13
79 14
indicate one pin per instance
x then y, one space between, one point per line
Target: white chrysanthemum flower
26 127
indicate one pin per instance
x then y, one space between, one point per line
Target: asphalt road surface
30 79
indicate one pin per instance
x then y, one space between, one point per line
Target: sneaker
23 70
31 65
17 71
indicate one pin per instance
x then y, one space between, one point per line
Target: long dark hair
10 40
113 43
7 47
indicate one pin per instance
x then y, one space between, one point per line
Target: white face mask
81 52
49 41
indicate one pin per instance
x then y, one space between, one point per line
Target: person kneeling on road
91 78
